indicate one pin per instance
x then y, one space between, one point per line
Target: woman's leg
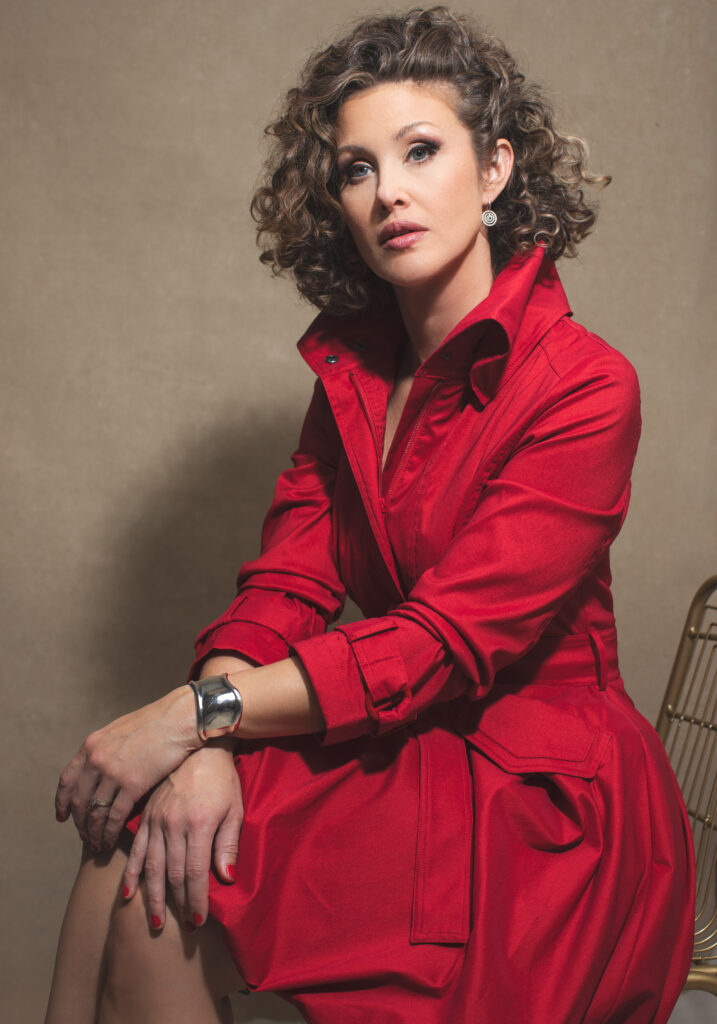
111 969
80 962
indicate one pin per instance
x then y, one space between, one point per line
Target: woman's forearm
278 700
217 664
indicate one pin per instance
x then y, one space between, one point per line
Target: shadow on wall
170 567
263 1008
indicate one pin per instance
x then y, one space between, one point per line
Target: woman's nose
391 190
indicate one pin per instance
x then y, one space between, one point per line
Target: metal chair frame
687 725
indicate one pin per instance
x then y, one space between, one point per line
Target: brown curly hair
298 207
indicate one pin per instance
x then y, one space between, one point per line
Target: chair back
687 725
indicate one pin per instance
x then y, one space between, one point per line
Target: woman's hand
118 764
198 807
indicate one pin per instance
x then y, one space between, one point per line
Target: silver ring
97 801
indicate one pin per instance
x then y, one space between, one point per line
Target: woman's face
411 188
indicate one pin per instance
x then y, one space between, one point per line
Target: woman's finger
66 785
176 847
117 817
85 787
155 866
98 812
226 845
198 864
135 861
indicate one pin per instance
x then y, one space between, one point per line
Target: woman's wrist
183 716
218 706
217 664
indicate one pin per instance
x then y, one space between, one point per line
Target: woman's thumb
226 847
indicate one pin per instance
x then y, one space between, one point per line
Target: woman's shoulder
579 356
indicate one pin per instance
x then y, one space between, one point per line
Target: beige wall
151 390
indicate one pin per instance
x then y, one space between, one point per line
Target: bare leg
171 976
79 966
110 969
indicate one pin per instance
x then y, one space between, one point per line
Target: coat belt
578 658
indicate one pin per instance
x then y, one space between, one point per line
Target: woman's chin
406 278
423 283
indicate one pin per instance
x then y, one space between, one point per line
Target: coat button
359 344
331 359
447 355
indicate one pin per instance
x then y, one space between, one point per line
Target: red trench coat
488 830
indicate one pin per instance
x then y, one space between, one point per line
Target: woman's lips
404 241
401 235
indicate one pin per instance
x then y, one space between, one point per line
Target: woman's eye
422 151
355 172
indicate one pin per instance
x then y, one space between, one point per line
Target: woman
452 810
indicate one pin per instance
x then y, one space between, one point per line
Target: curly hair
298 208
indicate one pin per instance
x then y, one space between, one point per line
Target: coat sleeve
538 529
293 590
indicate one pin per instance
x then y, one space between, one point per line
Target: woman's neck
431 311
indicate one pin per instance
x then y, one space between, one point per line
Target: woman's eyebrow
408 127
350 147
354 148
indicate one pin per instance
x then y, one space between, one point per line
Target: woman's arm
293 589
278 700
193 819
118 764
194 816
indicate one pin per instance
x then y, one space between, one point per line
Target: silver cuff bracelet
219 706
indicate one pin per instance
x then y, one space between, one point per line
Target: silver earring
489 218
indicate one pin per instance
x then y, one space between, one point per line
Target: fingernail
59 817
231 871
125 892
197 918
156 921
189 927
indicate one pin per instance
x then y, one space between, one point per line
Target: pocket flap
526 734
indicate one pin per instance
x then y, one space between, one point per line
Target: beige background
151 390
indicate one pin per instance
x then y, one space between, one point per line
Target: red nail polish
156 921
189 927
231 871
59 817
125 892
197 918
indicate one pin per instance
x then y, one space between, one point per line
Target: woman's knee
132 967
143 964
129 937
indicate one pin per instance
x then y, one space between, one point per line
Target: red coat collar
526 300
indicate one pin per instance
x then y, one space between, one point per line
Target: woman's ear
497 171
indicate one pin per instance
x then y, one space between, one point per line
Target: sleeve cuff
359 678
246 639
336 681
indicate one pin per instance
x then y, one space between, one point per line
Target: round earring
489 217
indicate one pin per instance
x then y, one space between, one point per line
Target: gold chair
688 727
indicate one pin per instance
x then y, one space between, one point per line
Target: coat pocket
526 734
535 767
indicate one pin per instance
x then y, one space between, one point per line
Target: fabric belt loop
600 657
